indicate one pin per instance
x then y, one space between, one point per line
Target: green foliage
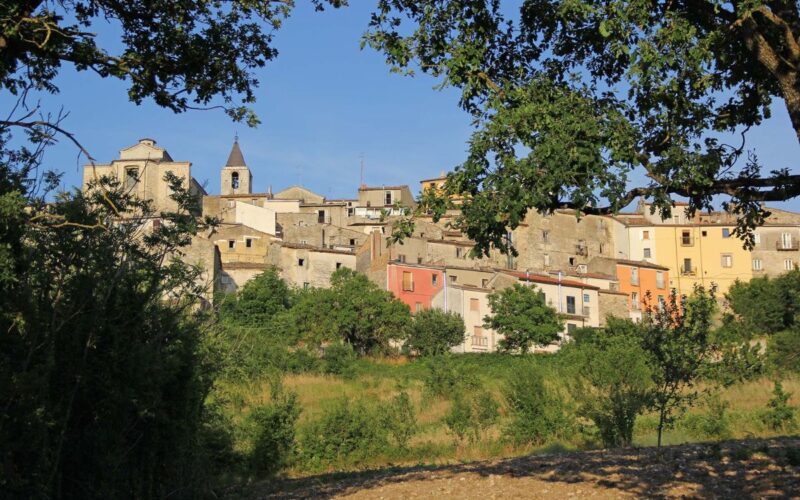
93 360
434 332
470 414
766 305
399 419
338 358
444 377
739 363
349 432
645 86
522 316
612 385
783 350
716 421
180 54
274 443
257 303
780 415
537 411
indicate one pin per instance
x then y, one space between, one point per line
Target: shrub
399 420
537 411
302 360
338 358
739 363
715 423
612 385
784 350
275 432
470 414
521 314
434 332
444 379
779 414
349 432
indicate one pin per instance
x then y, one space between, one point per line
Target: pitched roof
536 278
235 159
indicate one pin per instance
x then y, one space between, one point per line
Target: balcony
691 271
687 242
586 311
787 246
582 250
480 341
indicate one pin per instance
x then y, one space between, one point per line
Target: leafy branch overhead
589 105
183 54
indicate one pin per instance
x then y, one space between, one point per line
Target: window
235 180
434 280
248 242
300 262
570 304
453 278
131 177
418 307
231 203
484 283
586 298
338 265
401 258
705 233
757 239
474 305
231 243
602 247
572 261
387 198
788 264
477 337
645 235
408 282
634 276
786 240
321 216
646 253
156 224
726 233
635 300
676 219
659 279
546 258
546 236
352 242
727 260
687 266
306 284
686 238
757 265
458 252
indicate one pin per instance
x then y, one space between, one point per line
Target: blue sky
323 103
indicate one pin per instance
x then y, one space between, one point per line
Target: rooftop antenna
361 183
236 136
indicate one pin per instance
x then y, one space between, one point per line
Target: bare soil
764 468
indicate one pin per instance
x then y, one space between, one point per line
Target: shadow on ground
765 468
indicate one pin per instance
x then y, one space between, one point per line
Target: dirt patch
736 469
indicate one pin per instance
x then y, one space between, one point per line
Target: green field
376 381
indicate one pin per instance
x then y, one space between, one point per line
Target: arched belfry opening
236 177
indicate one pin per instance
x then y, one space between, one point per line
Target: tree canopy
589 105
522 316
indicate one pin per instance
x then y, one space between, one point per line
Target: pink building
414 285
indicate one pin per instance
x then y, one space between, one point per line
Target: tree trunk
661 416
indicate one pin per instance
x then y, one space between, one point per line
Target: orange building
414 285
643 281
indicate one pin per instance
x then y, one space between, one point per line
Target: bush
779 414
399 420
715 423
538 412
739 363
444 379
471 414
784 350
612 385
521 314
350 432
338 358
275 432
435 332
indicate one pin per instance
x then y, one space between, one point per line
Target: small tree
258 301
780 414
522 316
537 411
612 385
676 338
434 332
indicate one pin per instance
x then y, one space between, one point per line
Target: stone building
141 169
777 244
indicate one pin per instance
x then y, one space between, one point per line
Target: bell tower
236 178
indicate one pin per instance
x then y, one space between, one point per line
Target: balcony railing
480 341
586 311
692 271
787 246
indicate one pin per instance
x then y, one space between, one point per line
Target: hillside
768 468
